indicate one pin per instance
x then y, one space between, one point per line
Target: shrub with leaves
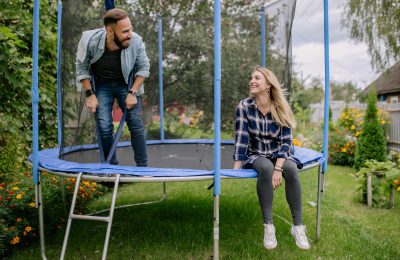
16 70
383 175
341 148
372 141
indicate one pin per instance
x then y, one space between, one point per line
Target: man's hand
130 101
92 103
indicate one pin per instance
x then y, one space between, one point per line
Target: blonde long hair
280 108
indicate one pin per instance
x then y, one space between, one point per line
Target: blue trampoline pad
171 158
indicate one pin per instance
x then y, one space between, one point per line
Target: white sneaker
299 234
269 237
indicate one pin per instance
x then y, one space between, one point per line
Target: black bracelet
89 92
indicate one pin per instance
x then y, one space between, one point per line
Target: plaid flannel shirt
259 135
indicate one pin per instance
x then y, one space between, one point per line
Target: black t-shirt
108 67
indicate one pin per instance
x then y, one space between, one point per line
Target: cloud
349 61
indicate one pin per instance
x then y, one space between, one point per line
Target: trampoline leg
216 228
107 219
41 222
114 199
71 212
319 200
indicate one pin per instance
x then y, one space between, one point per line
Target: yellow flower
398 188
296 142
1 188
32 204
19 196
19 219
15 240
396 182
352 127
28 229
15 188
343 149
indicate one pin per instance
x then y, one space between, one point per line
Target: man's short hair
113 16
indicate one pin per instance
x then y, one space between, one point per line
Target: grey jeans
264 168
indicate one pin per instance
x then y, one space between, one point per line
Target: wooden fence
394 128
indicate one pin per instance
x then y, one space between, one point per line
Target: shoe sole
297 244
271 247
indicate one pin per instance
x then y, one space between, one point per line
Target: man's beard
120 43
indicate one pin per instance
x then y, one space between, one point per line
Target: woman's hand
237 165
276 179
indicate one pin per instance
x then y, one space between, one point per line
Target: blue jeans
106 92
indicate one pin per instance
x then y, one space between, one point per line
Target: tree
16 70
377 23
305 94
346 91
372 141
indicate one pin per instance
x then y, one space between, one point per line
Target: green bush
16 70
372 141
383 175
341 148
18 215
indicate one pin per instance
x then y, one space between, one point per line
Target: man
112 55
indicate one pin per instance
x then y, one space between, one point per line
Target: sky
349 60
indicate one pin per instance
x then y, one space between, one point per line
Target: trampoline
170 160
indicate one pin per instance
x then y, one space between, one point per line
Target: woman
263 142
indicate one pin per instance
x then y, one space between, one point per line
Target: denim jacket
91 48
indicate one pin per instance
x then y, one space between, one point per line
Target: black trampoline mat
185 156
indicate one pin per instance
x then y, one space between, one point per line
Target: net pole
217 121
262 14
109 4
326 102
35 122
160 77
59 90
321 175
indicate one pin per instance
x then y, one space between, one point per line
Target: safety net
187 62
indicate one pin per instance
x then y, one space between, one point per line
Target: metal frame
117 178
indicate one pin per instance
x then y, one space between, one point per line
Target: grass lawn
181 226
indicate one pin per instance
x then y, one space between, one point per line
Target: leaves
377 23
16 69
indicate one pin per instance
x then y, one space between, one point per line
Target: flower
14 241
32 204
15 188
296 142
19 196
396 182
398 188
18 219
28 229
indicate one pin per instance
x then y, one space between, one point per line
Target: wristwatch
133 93
89 92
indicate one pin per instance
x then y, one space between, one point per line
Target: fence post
369 189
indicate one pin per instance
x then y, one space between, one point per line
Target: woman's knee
290 171
264 167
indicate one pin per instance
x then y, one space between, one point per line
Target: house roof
388 82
